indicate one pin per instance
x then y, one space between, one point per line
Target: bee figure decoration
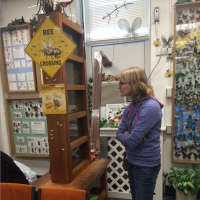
48 50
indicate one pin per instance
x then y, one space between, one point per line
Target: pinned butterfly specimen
196 156
198 18
189 85
179 22
197 11
192 10
192 68
157 42
195 52
167 43
124 25
179 12
191 147
180 137
168 73
197 84
177 109
183 148
183 33
192 17
177 75
175 139
177 147
178 100
191 123
190 44
184 16
190 136
196 139
186 155
177 154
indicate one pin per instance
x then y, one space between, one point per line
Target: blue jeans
142 181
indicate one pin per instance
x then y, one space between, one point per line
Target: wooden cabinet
69 139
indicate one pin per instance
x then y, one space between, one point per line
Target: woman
139 132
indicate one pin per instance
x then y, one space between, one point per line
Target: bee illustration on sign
48 50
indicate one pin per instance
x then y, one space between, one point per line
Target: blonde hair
138 83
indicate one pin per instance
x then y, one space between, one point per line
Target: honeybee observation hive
69 139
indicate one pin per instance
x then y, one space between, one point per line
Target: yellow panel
50 47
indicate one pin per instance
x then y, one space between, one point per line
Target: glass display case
186 82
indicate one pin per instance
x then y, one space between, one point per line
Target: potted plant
186 183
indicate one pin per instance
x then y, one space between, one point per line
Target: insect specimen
179 12
124 25
157 42
196 156
192 68
197 11
186 155
183 33
192 17
184 16
168 73
192 10
167 43
196 53
198 18
48 50
56 103
177 154
180 22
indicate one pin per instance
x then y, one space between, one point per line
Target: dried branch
116 9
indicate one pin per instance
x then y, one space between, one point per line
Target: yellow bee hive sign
50 47
53 99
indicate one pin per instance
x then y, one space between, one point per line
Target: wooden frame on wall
185 146
18 69
32 142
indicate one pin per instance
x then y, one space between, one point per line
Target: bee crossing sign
50 47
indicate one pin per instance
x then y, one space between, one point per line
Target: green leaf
174 169
195 168
190 184
185 191
103 75
185 184
90 80
165 174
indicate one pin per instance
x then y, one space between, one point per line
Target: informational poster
50 47
18 64
29 127
53 98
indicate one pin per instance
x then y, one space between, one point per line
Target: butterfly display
184 16
124 25
196 156
183 33
196 139
192 68
175 139
197 145
180 22
195 52
198 18
197 84
191 123
192 10
167 42
184 149
186 155
192 17
189 85
177 109
191 147
179 12
197 11
177 154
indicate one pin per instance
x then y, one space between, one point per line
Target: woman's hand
126 133
144 140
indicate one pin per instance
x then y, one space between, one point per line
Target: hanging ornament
157 42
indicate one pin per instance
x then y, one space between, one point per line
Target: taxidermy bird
183 1
124 25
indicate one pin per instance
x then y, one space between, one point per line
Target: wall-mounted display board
186 83
18 70
27 127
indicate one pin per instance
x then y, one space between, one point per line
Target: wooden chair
15 191
62 194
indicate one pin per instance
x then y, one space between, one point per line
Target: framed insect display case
70 143
27 127
18 69
186 83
